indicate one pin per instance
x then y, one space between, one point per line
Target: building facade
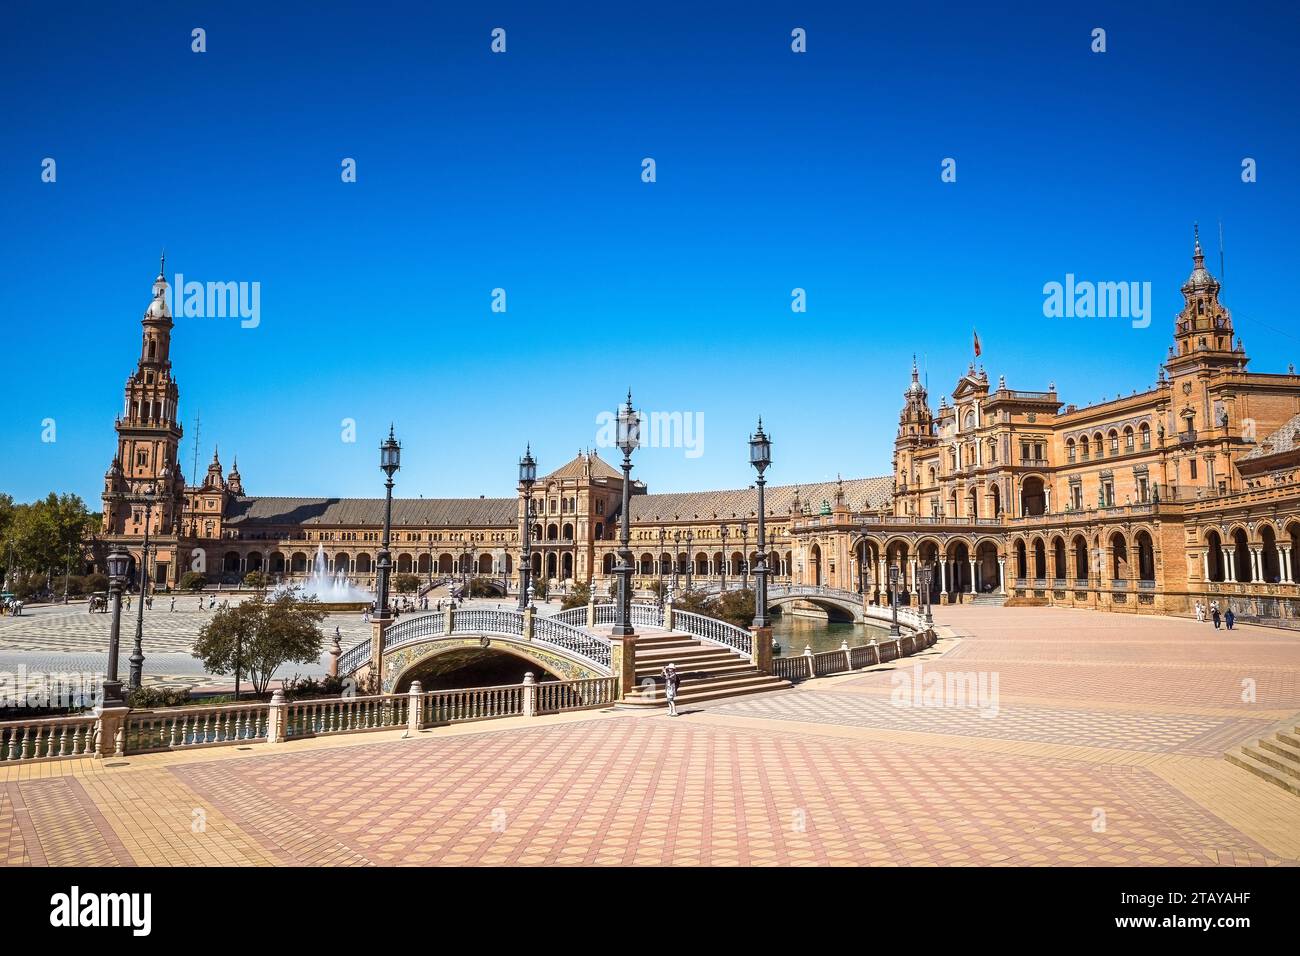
1182 491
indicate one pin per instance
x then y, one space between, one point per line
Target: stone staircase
709 672
988 600
1275 759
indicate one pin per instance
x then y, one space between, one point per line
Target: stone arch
1079 552
1119 561
1033 496
1144 546
1241 563
1060 570
363 563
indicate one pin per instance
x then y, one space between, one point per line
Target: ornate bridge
569 652
829 599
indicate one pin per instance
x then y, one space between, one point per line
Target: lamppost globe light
390 454
760 449
527 467
119 562
629 428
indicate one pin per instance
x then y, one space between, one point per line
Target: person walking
1200 613
672 680
1229 618
172 608
1214 613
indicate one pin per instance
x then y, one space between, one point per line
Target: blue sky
522 171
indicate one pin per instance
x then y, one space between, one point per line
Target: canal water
792 633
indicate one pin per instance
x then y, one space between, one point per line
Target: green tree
44 533
406 583
255 579
259 635
192 581
578 597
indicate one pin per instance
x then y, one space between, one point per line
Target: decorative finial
162 263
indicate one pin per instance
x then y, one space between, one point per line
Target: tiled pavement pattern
819 775
69 640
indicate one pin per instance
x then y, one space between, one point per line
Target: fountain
334 589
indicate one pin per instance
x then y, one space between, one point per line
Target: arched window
1128 438
1114 442
1069 450
1145 431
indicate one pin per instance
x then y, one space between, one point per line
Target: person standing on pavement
672 680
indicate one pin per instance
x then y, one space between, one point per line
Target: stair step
1278 756
710 690
1262 770
1290 739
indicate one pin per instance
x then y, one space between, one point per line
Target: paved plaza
1103 746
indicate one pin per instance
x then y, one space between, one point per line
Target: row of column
947 572
1229 559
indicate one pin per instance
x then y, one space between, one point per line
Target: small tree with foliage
193 581
255 579
577 597
406 583
259 635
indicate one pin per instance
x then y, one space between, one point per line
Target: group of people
11 606
1212 613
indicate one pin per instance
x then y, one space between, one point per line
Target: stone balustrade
280 720
800 667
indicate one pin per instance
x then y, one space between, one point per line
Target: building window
1192 465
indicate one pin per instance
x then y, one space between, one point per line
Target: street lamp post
390 461
527 478
760 456
137 652
629 439
927 574
690 557
723 533
67 573
744 557
893 598
659 562
118 562
677 556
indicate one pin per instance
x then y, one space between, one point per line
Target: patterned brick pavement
829 773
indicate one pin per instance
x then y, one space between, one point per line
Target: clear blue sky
522 171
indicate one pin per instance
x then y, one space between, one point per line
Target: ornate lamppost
760 456
744 557
677 556
894 574
927 575
629 439
118 562
390 461
527 478
659 562
723 533
690 557
137 652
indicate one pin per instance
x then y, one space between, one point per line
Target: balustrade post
276 718
591 609
449 620
808 656
761 649
622 660
378 625
414 702
848 655
336 649
668 613
530 695
528 623
875 648
110 731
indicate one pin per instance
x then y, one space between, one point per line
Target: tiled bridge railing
799 667
188 728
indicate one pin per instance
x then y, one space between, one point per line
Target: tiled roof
469 512
861 494
577 468
1286 438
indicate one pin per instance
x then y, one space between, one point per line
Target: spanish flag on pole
977 343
